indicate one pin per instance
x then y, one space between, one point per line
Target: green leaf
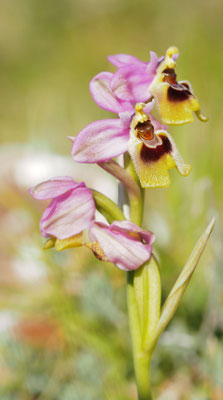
183 280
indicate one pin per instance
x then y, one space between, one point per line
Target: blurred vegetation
63 324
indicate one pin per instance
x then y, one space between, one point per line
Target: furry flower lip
153 151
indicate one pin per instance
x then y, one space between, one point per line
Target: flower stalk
141 360
136 202
143 298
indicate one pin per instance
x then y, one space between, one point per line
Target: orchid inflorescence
131 92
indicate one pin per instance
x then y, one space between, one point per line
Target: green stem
141 359
107 207
136 202
142 371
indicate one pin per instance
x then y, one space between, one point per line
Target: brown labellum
177 92
154 154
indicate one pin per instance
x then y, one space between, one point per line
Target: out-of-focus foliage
63 325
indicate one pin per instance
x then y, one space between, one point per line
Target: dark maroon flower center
152 154
177 92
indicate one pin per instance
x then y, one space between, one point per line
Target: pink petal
128 226
100 141
53 188
119 60
149 106
103 95
154 62
125 251
68 214
175 56
126 117
131 83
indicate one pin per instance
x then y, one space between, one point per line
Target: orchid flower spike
153 151
175 100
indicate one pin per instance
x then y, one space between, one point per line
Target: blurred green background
63 325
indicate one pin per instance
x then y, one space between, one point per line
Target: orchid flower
72 210
175 100
137 81
153 152
102 140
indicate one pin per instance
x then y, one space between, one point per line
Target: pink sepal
54 187
68 214
103 96
100 141
119 60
